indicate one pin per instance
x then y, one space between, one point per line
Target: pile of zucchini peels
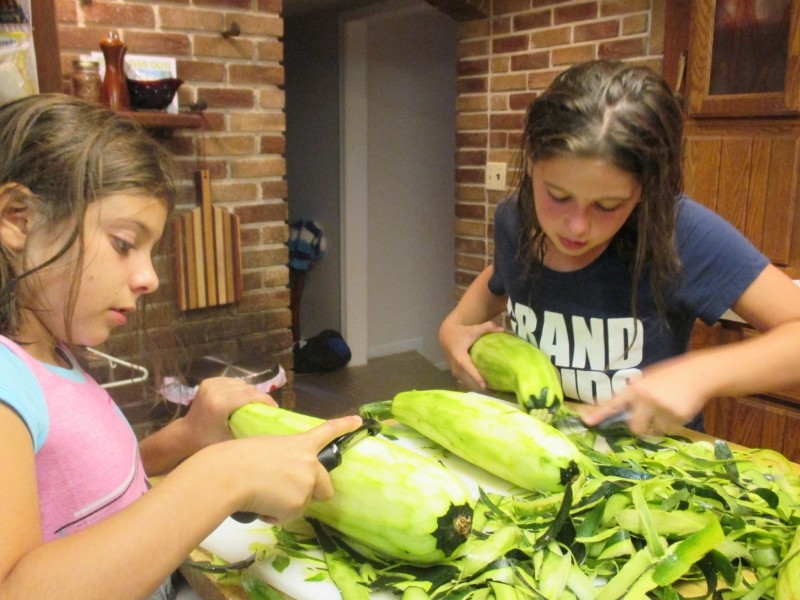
664 518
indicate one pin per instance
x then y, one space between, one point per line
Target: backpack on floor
326 351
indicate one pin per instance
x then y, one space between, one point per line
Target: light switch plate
496 176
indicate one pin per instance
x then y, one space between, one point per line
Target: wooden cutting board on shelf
208 266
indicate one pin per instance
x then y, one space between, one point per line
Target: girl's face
581 203
120 233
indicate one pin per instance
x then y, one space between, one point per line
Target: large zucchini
510 364
491 434
387 498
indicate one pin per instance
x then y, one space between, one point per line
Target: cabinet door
743 59
781 431
791 434
755 422
746 171
737 420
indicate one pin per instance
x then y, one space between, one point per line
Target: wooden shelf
162 120
48 65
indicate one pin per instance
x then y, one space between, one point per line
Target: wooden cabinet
747 171
761 421
755 422
742 138
744 58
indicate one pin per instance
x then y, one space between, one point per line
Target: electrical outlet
496 176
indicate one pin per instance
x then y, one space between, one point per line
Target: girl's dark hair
61 154
627 116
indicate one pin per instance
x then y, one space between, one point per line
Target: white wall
411 185
406 53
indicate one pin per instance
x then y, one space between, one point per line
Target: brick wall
241 80
504 61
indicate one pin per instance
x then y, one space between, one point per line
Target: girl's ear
16 216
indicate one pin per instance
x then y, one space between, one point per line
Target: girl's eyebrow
558 188
143 228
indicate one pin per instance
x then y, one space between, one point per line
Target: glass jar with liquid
86 82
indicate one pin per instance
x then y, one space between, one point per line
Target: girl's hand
456 340
284 469
469 320
669 394
206 422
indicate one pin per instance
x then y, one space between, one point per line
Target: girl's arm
469 320
129 554
675 390
206 423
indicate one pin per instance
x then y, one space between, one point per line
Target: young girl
84 197
601 263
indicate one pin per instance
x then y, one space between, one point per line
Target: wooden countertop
205 584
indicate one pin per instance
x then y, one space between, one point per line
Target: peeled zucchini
387 498
492 434
510 364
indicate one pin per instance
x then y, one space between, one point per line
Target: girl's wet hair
625 115
61 154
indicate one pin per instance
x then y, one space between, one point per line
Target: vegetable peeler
572 423
330 456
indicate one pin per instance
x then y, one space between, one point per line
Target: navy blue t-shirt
583 319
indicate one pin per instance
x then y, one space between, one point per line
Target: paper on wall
18 75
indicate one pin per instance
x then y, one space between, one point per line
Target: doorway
370 104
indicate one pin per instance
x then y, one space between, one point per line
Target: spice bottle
86 81
114 91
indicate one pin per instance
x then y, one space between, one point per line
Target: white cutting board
231 540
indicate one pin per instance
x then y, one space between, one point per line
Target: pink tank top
89 465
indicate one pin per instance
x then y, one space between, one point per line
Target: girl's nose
145 280
578 221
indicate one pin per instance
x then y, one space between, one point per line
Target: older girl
604 265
